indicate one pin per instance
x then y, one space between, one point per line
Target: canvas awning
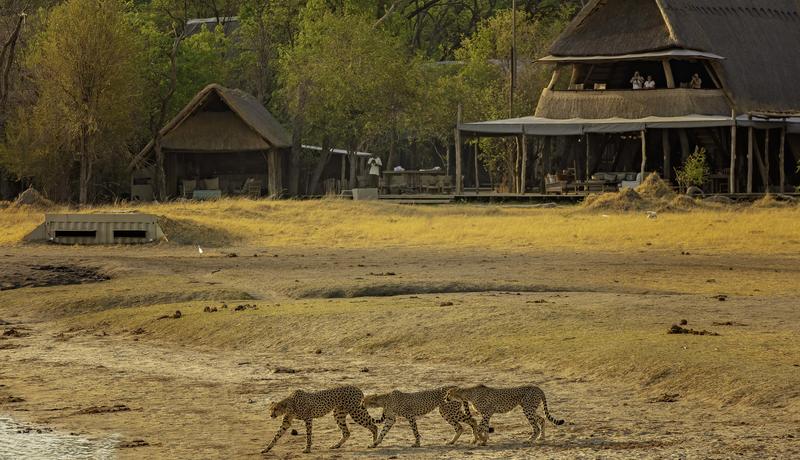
537 126
648 56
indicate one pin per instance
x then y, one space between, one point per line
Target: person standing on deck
650 83
375 164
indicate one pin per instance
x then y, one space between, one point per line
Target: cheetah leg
453 421
341 420
308 436
536 422
413 422
362 417
285 424
483 429
541 425
473 424
387 425
453 416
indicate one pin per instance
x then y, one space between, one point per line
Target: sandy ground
191 399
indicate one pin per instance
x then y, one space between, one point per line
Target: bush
695 171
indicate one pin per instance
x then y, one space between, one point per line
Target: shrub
695 171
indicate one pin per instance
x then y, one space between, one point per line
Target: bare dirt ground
589 328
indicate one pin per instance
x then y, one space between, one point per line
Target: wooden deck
530 198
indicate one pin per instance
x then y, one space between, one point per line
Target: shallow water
22 441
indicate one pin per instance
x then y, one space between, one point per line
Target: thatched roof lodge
223 142
744 109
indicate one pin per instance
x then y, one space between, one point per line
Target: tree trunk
294 161
323 160
297 144
86 168
353 168
161 177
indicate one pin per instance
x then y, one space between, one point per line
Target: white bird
199 249
652 215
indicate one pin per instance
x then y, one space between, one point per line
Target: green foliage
695 170
85 66
356 79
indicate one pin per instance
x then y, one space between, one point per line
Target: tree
85 66
352 78
485 79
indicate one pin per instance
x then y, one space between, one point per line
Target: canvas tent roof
758 38
255 116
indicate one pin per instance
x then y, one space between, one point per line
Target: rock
446 304
665 397
675 329
284 370
318 351
718 199
132 444
694 191
210 309
684 322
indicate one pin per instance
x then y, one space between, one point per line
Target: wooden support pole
766 161
782 159
665 147
644 152
732 171
523 172
574 77
586 174
343 177
750 159
668 73
545 162
556 76
459 178
274 173
477 179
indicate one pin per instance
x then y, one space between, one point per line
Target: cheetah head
375 400
279 408
454 394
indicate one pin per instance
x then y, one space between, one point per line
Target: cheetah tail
553 420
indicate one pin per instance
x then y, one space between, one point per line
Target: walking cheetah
307 406
489 401
413 405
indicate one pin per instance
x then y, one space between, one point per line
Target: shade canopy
538 126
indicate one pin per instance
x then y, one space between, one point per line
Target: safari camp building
743 110
224 142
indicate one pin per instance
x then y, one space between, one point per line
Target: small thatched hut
223 142
723 78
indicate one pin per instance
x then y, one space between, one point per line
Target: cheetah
489 401
307 406
413 405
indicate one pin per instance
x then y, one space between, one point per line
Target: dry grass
591 335
346 224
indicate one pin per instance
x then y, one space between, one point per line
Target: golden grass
594 336
346 224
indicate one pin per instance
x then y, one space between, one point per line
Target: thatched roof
203 125
758 38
